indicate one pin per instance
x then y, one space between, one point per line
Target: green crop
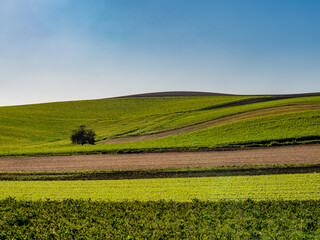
264 187
82 219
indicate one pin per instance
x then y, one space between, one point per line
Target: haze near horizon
59 50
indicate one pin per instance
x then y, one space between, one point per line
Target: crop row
284 186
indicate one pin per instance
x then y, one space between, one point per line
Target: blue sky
57 50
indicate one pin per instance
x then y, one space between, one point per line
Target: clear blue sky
56 50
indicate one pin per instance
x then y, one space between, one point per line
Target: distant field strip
286 187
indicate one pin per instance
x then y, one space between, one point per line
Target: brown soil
257 156
216 122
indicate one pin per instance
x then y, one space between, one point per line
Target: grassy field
263 187
52 122
247 202
281 128
22 127
284 206
293 128
45 129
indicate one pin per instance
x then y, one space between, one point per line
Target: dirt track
274 155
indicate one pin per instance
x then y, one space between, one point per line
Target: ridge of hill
207 94
178 94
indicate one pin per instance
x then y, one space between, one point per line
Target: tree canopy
83 136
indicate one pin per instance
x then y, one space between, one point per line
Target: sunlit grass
295 127
264 187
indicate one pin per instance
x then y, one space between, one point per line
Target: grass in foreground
264 187
83 219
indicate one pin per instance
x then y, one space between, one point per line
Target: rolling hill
161 121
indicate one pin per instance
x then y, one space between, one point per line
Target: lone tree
83 136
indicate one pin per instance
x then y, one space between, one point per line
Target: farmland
294 154
264 187
174 183
21 125
283 207
301 127
45 129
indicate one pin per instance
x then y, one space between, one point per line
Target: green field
36 126
45 129
293 128
52 122
285 206
79 219
271 129
249 202
264 187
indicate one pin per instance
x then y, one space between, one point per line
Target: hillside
167 122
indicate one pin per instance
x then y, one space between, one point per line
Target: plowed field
255 156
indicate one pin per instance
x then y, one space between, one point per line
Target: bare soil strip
255 156
162 173
216 122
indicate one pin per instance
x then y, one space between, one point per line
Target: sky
60 50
